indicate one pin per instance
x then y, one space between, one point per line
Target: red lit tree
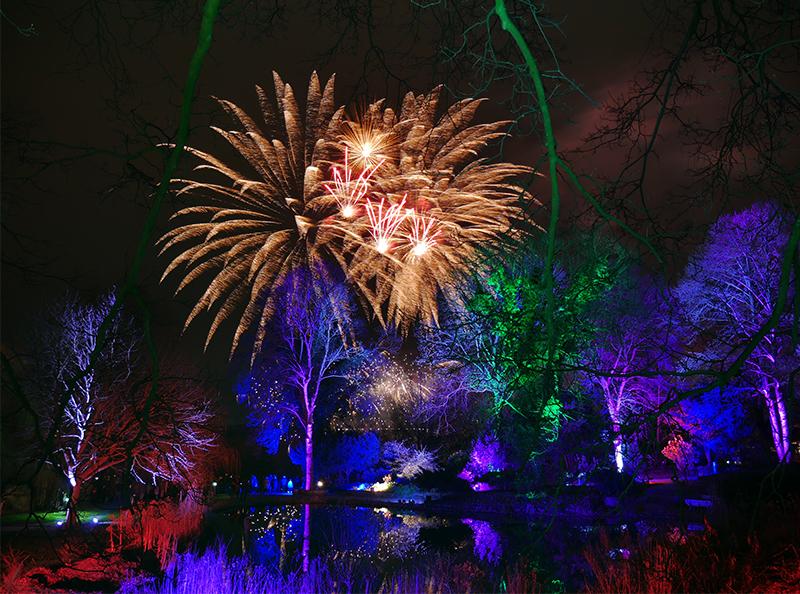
98 412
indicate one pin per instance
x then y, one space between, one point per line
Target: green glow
517 347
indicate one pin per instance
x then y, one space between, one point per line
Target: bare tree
308 352
729 293
97 424
629 348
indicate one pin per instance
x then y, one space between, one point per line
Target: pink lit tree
729 294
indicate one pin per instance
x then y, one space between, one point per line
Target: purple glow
487 456
729 292
488 544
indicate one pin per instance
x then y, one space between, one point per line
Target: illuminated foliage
717 421
304 363
727 295
408 461
111 418
351 453
630 343
500 342
487 455
680 452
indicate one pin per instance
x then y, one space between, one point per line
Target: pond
380 541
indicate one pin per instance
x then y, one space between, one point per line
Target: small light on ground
319 483
60 523
95 520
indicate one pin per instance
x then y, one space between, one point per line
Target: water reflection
488 543
289 538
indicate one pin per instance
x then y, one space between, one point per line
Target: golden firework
264 225
456 202
405 215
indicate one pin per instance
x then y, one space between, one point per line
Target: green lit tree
501 342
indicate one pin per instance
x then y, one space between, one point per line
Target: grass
52 518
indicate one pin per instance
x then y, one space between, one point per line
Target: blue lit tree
305 361
347 454
717 420
729 294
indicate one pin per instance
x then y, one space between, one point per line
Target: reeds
711 561
12 564
216 571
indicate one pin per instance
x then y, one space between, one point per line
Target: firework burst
422 235
384 223
429 202
349 192
261 226
459 202
368 138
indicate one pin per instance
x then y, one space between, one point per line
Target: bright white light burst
369 146
349 192
422 236
385 224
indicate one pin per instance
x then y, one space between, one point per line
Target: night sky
108 77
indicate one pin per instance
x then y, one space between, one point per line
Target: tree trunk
309 454
613 402
618 459
779 423
72 506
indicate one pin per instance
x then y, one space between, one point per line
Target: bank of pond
663 537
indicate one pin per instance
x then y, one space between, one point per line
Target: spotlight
319 483
95 520
60 523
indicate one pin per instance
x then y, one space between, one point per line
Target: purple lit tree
621 364
487 456
728 295
305 361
